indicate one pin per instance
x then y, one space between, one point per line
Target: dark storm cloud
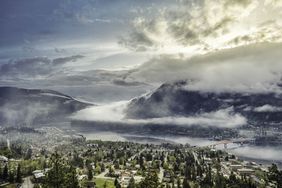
38 66
121 82
137 41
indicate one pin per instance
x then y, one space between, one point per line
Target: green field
9 186
101 182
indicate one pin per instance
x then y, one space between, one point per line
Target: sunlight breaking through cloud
206 25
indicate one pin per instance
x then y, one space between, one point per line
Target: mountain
175 99
34 106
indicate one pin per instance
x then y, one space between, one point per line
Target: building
236 167
3 159
246 171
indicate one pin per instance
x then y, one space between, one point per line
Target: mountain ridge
35 106
175 99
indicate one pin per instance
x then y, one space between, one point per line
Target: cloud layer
115 113
252 68
267 108
206 25
34 67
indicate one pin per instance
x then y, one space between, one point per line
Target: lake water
261 155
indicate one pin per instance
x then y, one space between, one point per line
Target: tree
5 172
98 170
55 176
111 171
275 175
105 184
90 174
187 172
118 185
232 179
116 164
219 181
121 161
11 177
131 183
71 178
151 181
36 186
116 182
178 183
103 168
167 186
141 162
19 174
28 154
77 160
207 181
185 183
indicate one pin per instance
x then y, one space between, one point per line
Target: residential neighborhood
74 161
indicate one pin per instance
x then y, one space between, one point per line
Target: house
82 177
3 159
236 166
37 171
38 177
246 171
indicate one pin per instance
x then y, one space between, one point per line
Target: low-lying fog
115 112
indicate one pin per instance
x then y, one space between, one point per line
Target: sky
125 48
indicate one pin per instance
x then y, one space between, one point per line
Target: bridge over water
240 141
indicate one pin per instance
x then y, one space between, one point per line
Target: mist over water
260 154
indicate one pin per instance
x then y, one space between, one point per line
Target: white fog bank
114 112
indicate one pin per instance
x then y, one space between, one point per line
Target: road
27 183
103 175
137 154
225 170
161 174
196 157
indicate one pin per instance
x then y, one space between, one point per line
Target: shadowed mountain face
175 99
34 106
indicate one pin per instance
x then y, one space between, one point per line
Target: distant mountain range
176 99
34 106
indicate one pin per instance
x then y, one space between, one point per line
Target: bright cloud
115 112
206 25
268 108
252 68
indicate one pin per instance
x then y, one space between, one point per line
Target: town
53 158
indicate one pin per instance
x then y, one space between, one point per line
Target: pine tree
186 183
116 182
90 174
28 154
56 175
118 185
19 174
105 184
131 183
11 177
5 172
167 186
178 183
71 178
219 181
